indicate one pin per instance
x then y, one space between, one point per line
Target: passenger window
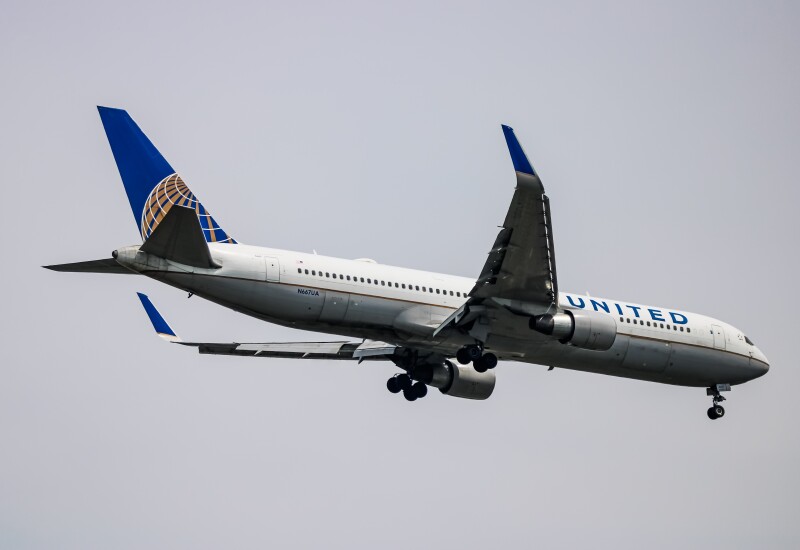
369 281
667 327
348 277
313 272
417 287
430 290
423 289
383 283
688 329
622 319
404 285
648 323
306 272
641 322
674 327
397 285
300 271
327 274
681 329
458 294
376 281
662 325
628 320
451 293
437 291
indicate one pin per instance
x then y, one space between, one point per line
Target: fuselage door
719 336
273 267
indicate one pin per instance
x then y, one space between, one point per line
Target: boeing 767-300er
513 311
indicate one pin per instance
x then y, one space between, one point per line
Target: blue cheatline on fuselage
150 182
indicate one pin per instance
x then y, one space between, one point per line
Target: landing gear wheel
489 360
410 394
479 365
420 390
404 381
393 385
474 352
717 411
463 357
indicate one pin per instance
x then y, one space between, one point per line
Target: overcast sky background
667 137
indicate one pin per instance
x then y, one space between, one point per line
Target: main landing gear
481 362
717 410
403 383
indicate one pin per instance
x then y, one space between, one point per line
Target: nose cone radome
759 363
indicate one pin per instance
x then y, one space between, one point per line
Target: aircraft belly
674 363
253 297
372 311
646 355
335 306
701 366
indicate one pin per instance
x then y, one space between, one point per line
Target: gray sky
667 137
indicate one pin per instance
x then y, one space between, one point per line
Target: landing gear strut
717 410
481 362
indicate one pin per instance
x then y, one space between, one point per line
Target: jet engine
582 329
456 380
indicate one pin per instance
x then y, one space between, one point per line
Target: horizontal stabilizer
179 238
109 265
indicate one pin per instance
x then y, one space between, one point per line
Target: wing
360 351
368 350
520 271
521 265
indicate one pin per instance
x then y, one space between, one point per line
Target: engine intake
582 329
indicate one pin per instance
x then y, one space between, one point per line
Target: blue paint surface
159 324
140 164
521 162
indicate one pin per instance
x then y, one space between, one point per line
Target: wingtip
159 324
518 157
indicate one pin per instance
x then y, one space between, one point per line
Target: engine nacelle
457 380
582 329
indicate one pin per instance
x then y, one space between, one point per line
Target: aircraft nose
759 363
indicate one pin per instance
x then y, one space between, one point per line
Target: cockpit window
749 341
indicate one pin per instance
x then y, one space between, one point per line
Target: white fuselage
364 299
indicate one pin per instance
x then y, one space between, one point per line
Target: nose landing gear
717 410
481 362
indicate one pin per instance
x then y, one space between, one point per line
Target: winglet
521 162
159 324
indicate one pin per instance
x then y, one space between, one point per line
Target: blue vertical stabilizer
150 182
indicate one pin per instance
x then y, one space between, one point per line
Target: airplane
441 331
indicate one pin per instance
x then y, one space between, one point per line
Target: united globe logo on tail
172 190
